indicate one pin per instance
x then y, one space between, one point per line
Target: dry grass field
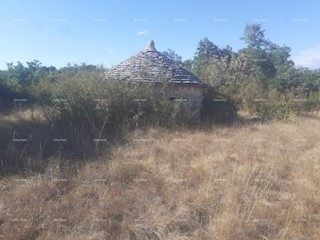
255 181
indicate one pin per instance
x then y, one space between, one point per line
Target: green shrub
217 107
109 104
303 105
272 107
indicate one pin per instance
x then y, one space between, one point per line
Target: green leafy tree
206 51
171 54
254 37
188 64
272 62
229 76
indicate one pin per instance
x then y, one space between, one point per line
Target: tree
254 36
5 91
34 65
229 76
227 52
20 74
206 51
171 54
272 61
188 64
285 72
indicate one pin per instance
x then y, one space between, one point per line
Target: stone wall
191 97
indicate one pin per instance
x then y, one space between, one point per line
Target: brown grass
21 115
259 181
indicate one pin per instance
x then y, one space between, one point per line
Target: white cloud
300 20
260 20
219 19
110 50
141 33
179 20
308 58
100 60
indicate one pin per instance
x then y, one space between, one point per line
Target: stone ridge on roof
150 65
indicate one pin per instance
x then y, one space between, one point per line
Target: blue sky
109 31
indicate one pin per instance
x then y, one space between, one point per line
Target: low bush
108 106
304 105
217 108
273 106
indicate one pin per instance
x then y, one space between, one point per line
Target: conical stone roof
150 65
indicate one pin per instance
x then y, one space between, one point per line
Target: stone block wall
191 98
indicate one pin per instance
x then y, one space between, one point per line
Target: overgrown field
254 181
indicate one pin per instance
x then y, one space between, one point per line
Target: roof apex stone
150 47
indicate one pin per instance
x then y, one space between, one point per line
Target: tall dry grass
259 181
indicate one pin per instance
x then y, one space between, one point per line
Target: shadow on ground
27 144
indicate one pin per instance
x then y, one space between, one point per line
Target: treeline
20 83
259 78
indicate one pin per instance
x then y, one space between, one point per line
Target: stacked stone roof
150 65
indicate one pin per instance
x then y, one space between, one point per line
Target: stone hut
152 66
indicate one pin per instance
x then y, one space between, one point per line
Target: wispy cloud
141 33
308 58
219 19
300 20
179 20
